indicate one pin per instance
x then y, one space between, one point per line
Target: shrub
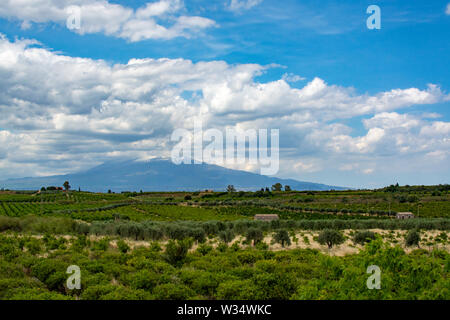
101 245
123 246
176 251
33 246
362 237
412 238
171 291
204 249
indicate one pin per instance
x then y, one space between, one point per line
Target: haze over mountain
159 175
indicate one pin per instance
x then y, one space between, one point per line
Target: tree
287 188
226 236
330 237
412 238
255 235
277 187
282 237
66 185
231 189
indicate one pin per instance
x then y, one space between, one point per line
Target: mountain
159 175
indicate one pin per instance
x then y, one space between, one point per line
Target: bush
362 237
412 238
330 237
204 249
101 245
171 291
236 289
123 246
176 251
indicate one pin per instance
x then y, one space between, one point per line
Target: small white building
404 215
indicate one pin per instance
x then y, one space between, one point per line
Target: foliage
277 187
208 273
123 246
226 235
412 238
330 237
254 234
176 251
41 234
282 237
362 237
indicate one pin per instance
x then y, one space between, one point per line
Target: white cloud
239 5
159 8
68 113
155 20
447 11
290 77
368 171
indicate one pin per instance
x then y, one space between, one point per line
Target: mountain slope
160 175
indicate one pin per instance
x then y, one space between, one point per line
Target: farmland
206 245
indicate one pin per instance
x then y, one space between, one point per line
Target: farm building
404 215
266 217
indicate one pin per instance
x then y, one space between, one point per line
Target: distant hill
160 175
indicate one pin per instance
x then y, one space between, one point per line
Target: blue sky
326 46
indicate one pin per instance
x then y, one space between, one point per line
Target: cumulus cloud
67 112
155 20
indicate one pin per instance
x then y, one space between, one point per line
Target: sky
355 107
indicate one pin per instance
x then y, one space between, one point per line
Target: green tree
287 188
412 238
231 189
282 237
254 234
66 185
226 236
330 237
277 187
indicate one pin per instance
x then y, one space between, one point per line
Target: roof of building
266 215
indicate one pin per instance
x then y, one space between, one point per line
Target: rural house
265 217
404 215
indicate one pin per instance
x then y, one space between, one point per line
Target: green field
206 245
